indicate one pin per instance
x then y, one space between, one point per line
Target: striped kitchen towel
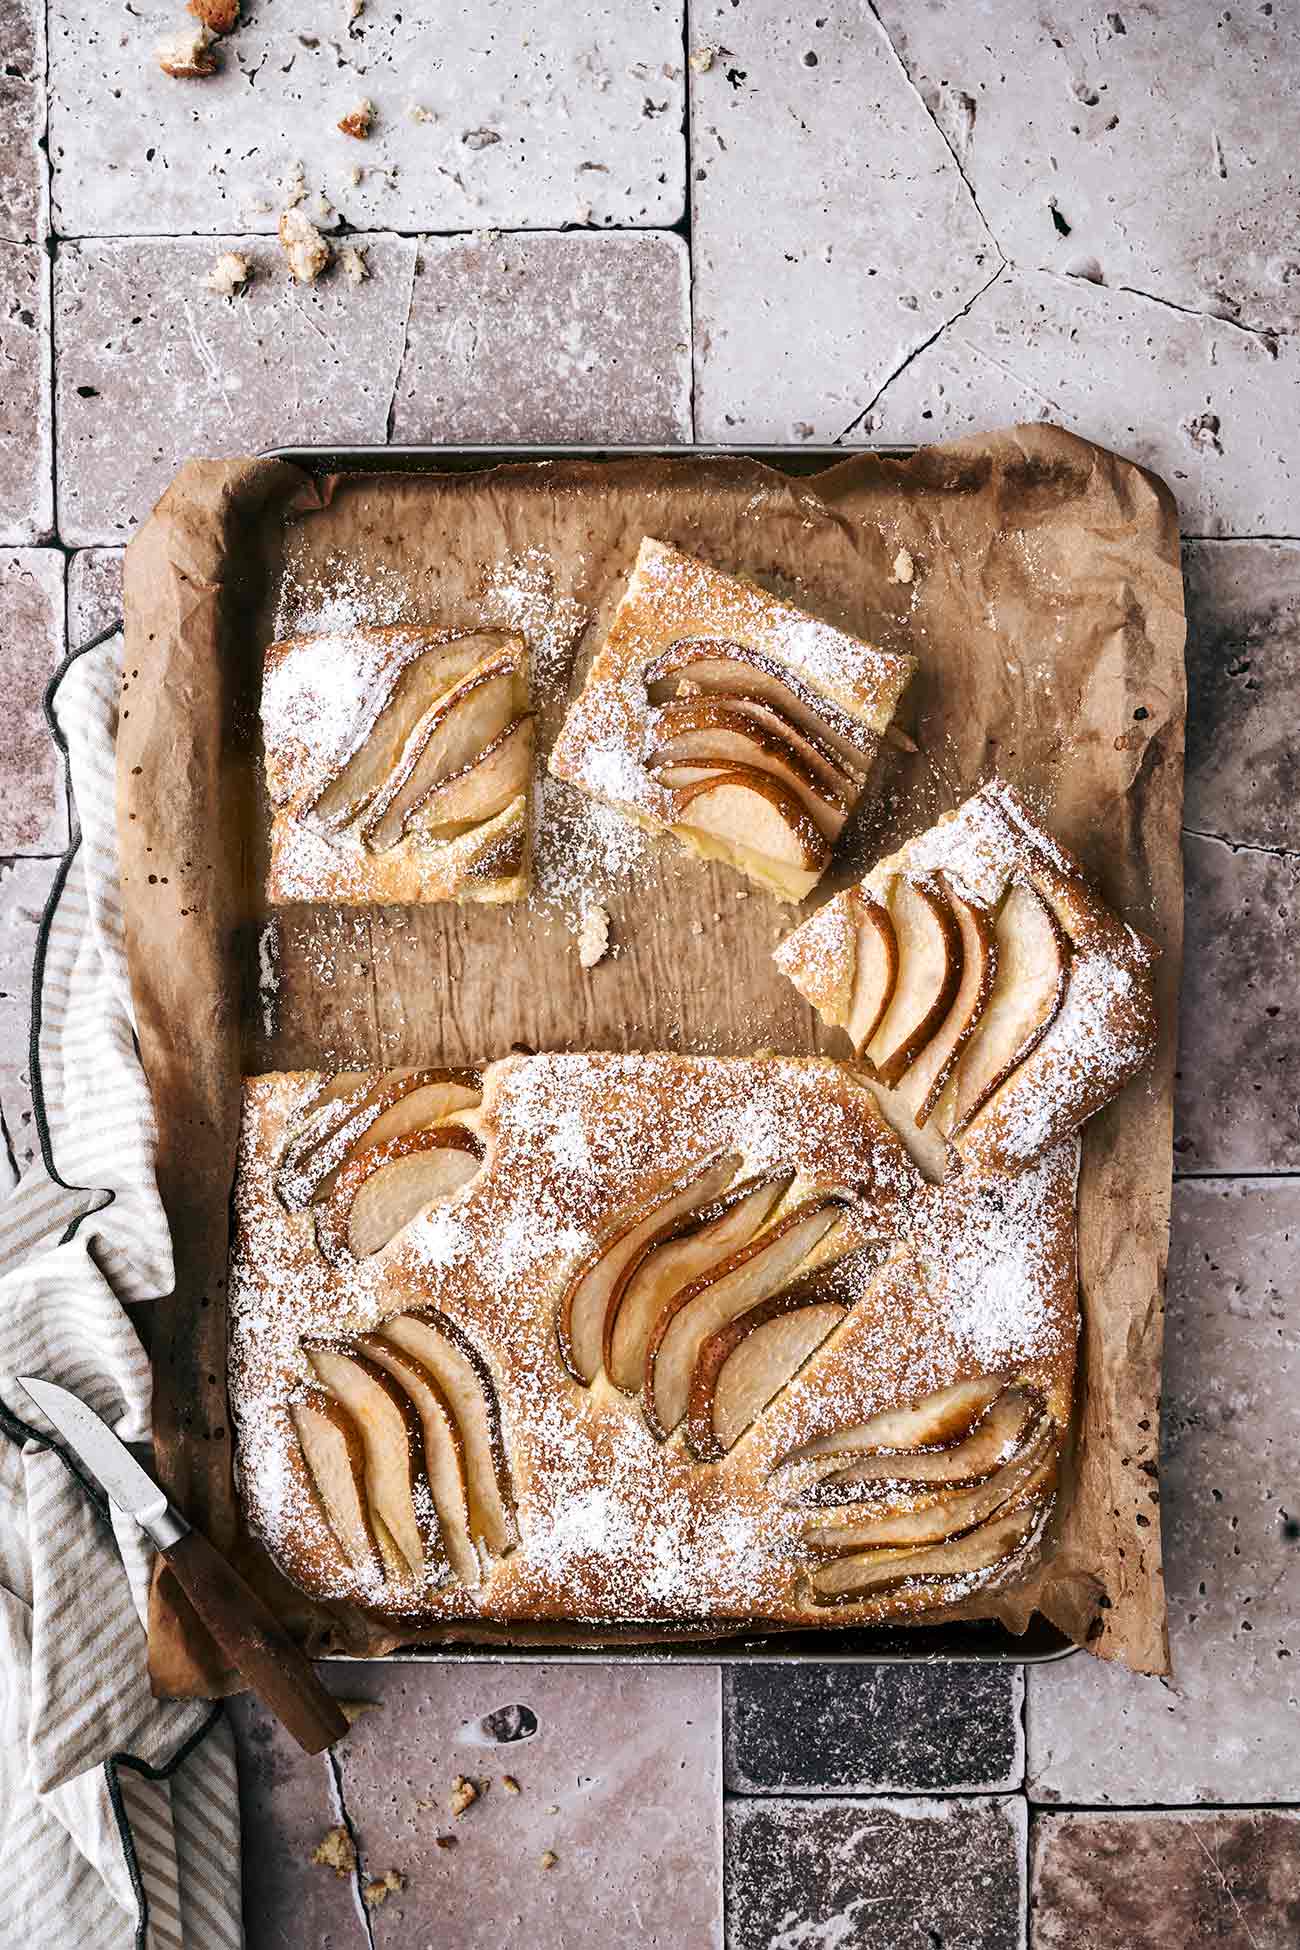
118 1812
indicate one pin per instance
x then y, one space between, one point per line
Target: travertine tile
1243 678
1157 145
24 889
547 338
831 230
1237 1104
1210 407
535 117
875 1875
94 593
288 1804
619 1781
871 1729
1226 1727
154 368
26 428
24 176
1165 1881
33 801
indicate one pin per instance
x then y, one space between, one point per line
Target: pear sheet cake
660 1338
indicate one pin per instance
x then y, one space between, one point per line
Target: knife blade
251 1637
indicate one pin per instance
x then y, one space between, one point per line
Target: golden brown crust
614 1526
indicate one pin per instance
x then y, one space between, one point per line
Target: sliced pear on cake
930 1069
428 1336
728 1289
679 1252
420 684
688 710
380 1191
397 1486
943 1513
929 1421
870 1574
993 1439
580 1317
456 731
755 823
929 970
482 788
1033 969
743 1365
370 1114
738 670
702 736
336 1462
875 968
444 1448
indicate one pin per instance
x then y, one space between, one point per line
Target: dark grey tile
875 1875
872 1729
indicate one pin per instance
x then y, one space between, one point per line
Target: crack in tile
1268 339
391 414
916 352
345 1820
1243 846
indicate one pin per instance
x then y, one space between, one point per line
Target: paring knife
251 1638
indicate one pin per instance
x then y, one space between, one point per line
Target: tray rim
825 1646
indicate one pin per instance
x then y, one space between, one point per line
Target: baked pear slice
941 1514
929 971
679 1252
875 968
737 670
444 1449
456 731
1033 970
702 736
397 1486
428 1336
381 742
383 1188
926 1075
728 1289
755 823
482 788
580 1317
928 1423
870 1574
994 1438
839 779
342 1124
336 1463
746 1363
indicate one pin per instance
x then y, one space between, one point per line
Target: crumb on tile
336 1850
382 1887
510 1784
306 251
549 1858
189 54
358 121
219 16
417 112
702 60
352 263
444 1841
593 936
352 1709
463 1795
229 274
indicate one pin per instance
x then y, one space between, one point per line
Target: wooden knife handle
256 1643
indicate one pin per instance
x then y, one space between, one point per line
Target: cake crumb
904 568
549 1858
355 9
188 54
294 187
510 1784
352 176
352 263
417 112
463 1795
352 1709
306 251
444 1841
390 1883
593 936
229 274
218 16
336 1850
358 121
702 60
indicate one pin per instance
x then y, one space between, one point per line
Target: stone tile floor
855 223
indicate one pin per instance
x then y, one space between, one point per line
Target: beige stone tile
24 174
1237 1104
831 230
535 117
547 338
1169 1881
33 801
24 888
620 1782
876 1874
1243 677
26 430
154 368
1226 1727
1210 407
1164 139
94 593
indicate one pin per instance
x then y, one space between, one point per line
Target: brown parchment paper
1046 610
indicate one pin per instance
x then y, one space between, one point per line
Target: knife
252 1639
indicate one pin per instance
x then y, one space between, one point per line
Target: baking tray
970 1642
